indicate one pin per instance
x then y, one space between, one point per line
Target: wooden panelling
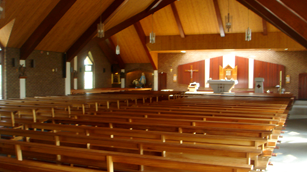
131 49
73 24
131 8
274 40
184 77
5 33
162 22
270 72
242 72
28 14
204 20
154 56
215 63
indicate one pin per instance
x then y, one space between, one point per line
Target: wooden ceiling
26 25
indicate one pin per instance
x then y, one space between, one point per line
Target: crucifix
191 70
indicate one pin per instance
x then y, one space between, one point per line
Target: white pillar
207 72
76 69
67 79
250 73
22 82
122 80
155 88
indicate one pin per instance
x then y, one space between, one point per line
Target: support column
22 82
207 72
251 73
67 79
75 69
155 88
122 78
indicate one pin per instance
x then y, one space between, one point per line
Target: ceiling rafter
90 33
136 18
265 27
175 12
219 18
44 28
299 10
118 57
274 20
142 36
287 16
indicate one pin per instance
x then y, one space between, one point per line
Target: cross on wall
191 70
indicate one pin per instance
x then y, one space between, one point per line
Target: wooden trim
274 20
43 29
89 34
298 7
219 18
175 12
142 36
135 19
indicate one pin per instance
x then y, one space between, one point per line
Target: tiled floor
292 155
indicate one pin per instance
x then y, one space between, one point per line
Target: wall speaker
104 70
32 63
13 62
64 65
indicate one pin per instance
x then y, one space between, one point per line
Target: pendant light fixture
100 27
117 49
248 32
152 35
228 20
2 8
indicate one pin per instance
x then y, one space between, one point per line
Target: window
88 73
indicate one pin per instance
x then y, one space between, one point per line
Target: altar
220 86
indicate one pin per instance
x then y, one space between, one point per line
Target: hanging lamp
100 28
117 49
228 20
152 35
248 32
2 8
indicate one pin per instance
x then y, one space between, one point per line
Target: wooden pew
112 157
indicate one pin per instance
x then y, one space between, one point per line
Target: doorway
162 81
302 86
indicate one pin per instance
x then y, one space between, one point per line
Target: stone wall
12 74
295 62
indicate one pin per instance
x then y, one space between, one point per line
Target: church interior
151 85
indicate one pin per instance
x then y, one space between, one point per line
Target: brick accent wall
102 67
295 62
12 74
40 81
46 78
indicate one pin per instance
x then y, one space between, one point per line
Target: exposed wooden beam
219 18
265 27
153 5
89 34
296 6
142 36
119 59
43 29
274 20
175 12
274 40
287 16
135 19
